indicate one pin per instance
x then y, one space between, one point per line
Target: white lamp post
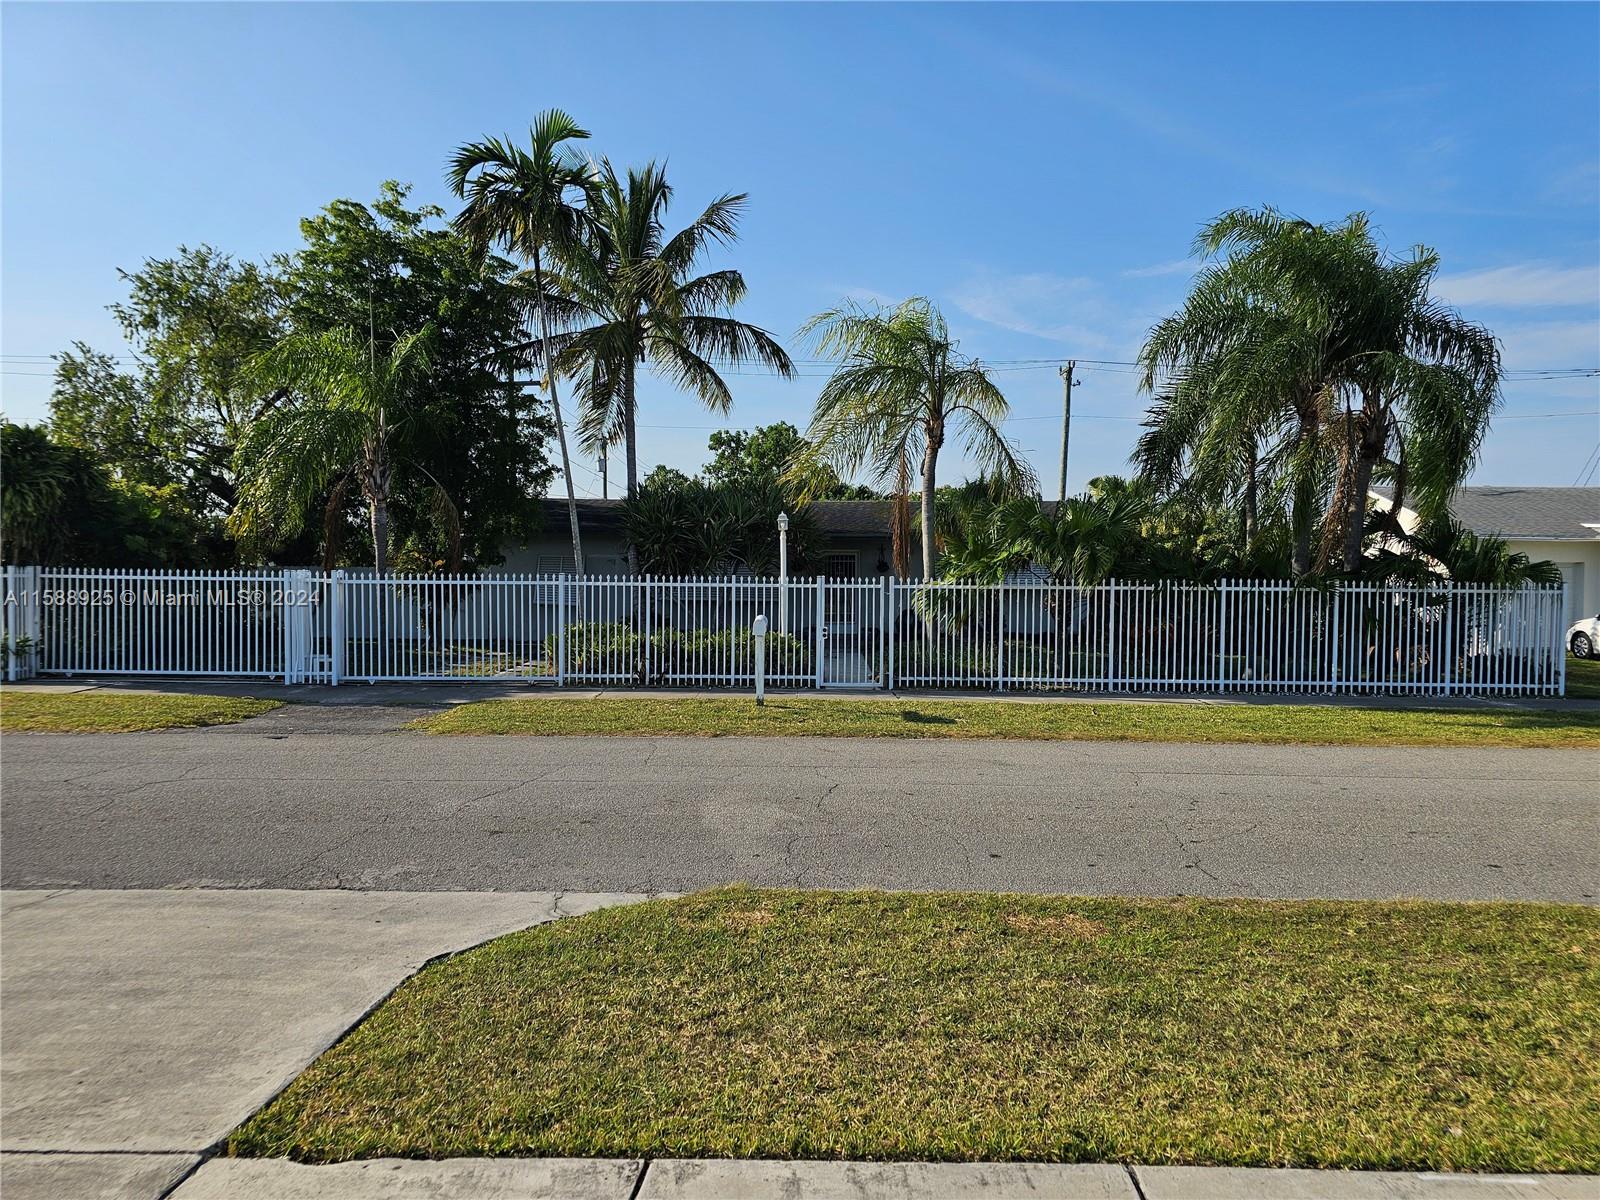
783 572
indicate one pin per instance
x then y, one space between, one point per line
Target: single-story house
855 536
1557 524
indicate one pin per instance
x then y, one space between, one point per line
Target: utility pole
604 494
1066 421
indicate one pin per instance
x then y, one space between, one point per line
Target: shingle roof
1526 512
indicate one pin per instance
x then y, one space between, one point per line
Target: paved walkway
141 1027
442 695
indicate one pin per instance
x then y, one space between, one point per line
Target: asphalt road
319 799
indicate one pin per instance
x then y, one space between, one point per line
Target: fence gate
850 633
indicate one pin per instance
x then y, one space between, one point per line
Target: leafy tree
900 389
193 320
640 300
767 455
528 202
60 504
384 270
351 413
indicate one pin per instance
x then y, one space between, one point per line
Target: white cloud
1522 285
1178 266
1546 344
1054 307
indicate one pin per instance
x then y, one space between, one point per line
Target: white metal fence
1234 636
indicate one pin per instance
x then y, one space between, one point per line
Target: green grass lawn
876 1025
119 712
1583 678
804 717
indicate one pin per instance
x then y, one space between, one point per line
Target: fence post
336 627
821 632
1000 637
1561 638
12 623
886 623
561 630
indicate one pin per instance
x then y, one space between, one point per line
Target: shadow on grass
922 718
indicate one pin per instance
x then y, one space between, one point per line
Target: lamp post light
783 572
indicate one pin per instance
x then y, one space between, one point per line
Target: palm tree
635 288
900 387
1312 340
524 200
350 404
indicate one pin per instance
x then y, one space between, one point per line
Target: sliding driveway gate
301 626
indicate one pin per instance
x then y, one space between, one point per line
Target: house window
557 564
842 565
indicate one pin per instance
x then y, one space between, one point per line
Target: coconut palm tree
349 410
529 201
900 390
638 300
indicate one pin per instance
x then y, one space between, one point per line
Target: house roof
838 518
1551 513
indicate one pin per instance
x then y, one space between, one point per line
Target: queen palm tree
638 300
900 389
348 408
1314 340
529 201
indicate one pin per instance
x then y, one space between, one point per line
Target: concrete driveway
141 1027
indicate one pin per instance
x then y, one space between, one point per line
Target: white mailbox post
758 630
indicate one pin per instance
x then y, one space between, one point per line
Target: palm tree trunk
380 535
555 407
1368 450
1251 516
930 467
631 449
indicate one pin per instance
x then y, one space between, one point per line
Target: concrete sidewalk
443 695
142 1026
722 1179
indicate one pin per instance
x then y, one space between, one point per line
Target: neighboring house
855 539
1558 524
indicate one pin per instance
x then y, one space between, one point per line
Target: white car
1583 639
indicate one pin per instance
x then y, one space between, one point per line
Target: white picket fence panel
303 626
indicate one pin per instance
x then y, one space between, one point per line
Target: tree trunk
631 450
380 535
555 407
377 489
1368 450
1301 519
1251 515
930 467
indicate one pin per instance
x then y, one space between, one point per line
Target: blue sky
1038 171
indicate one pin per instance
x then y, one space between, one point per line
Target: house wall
1580 567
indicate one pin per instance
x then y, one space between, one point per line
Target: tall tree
387 268
1312 341
176 414
530 202
640 301
766 456
349 409
900 390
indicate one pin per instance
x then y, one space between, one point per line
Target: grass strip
120 712
871 1025
804 717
